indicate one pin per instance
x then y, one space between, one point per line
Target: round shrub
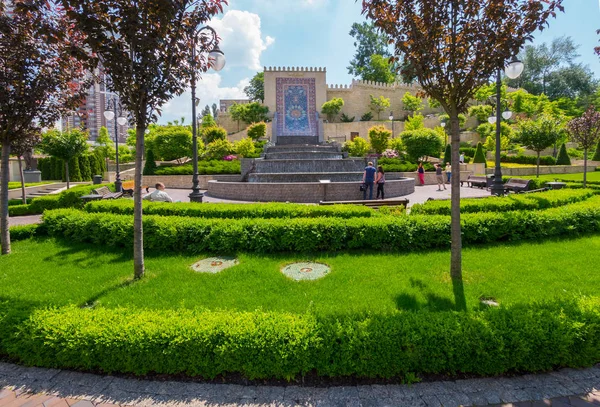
257 130
211 134
244 147
218 149
421 143
379 137
359 147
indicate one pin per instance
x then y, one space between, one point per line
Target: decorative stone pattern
214 265
296 107
305 271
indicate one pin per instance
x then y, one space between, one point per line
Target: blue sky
257 33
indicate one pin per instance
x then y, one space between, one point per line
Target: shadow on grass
433 301
90 302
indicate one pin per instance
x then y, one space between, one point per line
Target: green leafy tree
434 104
332 108
41 77
414 122
487 130
378 70
172 143
257 131
421 143
146 47
215 111
236 111
538 135
379 138
368 42
479 155
150 164
563 156
412 103
462 119
254 112
379 104
104 145
586 131
67 146
452 48
481 112
205 112
256 89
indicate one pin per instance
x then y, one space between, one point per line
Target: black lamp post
209 39
108 115
513 70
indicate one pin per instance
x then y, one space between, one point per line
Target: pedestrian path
28 386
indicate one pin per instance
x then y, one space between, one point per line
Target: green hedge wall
529 338
82 168
513 202
528 159
233 211
204 168
397 233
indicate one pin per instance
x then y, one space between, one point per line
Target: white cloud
241 39
208 90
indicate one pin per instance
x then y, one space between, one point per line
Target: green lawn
16 185
53 272
578 176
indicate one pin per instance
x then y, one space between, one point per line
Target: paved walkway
24 220
28 386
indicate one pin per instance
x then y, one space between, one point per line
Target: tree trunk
67 174
138 230
24 198
537 171
585 167
4 175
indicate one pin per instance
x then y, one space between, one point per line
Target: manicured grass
53 272
576 177
492 164
16 185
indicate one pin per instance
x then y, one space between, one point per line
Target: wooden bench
517 185
375 204
128 187
101 193
476 181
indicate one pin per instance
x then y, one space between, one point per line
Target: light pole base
497 188
118 186
196 196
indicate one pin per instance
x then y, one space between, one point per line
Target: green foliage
218 149
249 113
150 164
212 134
481 112
421 143
257 130
368 42
256 89
448 155
67 146
208 122
171 142
414 122
563 157
74 170
359 147
462 119
513 202
234 211
346 119
379 104
486 130
244 147
597 153
433 103
379 138
332 108
479 155
412 103
204 168
378 70
527 159
398 165
367 117
84 167
537 135
23 232
104 145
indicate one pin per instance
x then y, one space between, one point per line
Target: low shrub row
494 341
398 165
527 159
204 168
23 232
398 233
13 202
70 198
233 211
513 202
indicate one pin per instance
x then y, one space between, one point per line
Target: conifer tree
563 157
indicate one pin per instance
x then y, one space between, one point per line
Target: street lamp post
108 115
513 70
443 124
392 120
217 63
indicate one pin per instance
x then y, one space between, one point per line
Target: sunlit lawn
578 177
52 272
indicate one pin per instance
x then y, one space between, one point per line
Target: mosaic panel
296 107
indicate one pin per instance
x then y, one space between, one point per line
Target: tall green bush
84 167
257 130
479 155
379 136
597 154
563 156
150 164
74 170
332 108
244 147
414 122
359 147
212 134
448 155
218 149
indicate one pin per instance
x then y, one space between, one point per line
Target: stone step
287 140
309 165
306 155
307 177
303 148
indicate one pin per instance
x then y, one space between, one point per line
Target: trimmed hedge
71 198
513 202
494 341
527 159
204 168
23 232
233 211
397 233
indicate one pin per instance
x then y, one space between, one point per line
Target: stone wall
185 181
302 192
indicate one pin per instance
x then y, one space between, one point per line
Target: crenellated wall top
294 69
374 85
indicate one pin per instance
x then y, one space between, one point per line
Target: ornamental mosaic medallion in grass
306 271
214 265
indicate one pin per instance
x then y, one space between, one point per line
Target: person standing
440 177
421 172
369 180
448 171
461 159
380 181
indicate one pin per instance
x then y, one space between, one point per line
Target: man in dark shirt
369 180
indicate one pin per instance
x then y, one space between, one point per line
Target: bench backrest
128 184
477 178
518 181
102 191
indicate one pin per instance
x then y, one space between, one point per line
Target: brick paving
34 387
